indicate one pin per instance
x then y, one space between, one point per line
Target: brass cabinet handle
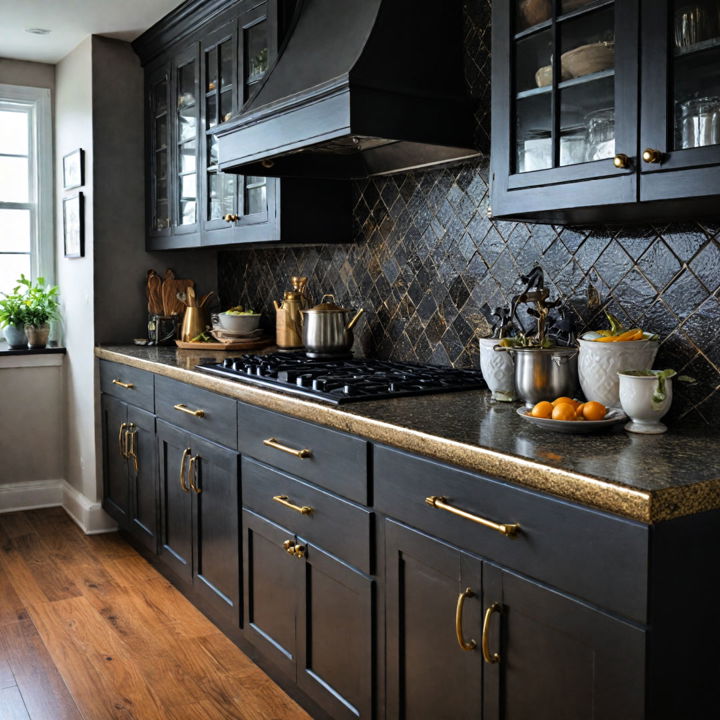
651 155
192 474
464 644
184 408
184 487
439 502
490 658
231 217
284 500
621 161
131 441
122 440
127 386
273 443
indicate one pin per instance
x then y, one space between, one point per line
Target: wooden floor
89 630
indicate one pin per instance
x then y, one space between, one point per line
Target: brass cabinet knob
621 161
299 551
289 546
651 155
231 217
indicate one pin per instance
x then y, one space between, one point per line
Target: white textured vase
600 362
636 393
498 370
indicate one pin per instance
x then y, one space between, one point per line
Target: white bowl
239 323
600 362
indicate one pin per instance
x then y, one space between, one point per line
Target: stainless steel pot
327 328
544 373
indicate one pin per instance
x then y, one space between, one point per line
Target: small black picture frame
74 169
74 226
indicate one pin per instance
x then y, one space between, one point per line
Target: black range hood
361 88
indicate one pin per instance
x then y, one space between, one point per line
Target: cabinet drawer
334 524
335 461
128 384
592 555
200 411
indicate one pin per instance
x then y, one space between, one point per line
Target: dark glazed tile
684 239
706 265
685 293
659 265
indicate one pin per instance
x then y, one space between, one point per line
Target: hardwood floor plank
42 687
12 706
11 607
7 679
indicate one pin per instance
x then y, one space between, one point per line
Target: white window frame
40 152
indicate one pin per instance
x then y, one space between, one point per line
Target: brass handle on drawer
651 155
284 500
273 443
621 161
184 408
231 217
192 474
127 386
440 503
131 440
184 487
469 644
122 441
490 658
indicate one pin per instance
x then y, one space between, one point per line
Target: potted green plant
12 318
41 306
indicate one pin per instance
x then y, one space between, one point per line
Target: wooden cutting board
255 344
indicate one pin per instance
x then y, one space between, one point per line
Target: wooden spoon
169 292
154 289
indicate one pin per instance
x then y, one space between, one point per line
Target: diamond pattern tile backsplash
424 258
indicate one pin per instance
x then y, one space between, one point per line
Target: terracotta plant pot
37 335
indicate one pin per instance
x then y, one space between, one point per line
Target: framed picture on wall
74 169
74 226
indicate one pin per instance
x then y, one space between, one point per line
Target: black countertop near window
650 478
5 351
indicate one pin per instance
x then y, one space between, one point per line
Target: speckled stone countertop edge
647 506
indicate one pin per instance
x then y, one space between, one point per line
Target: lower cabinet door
335 635
142 471
271 580
116 491
558 659
213 477
176 538
433 604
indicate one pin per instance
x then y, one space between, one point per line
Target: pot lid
326 307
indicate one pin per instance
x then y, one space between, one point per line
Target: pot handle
502 348
351 324
330 295
560 360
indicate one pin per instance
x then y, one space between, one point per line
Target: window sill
42 357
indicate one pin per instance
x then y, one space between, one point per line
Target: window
26 219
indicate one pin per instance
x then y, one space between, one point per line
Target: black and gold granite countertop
650 478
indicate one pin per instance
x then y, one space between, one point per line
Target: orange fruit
579 411
542 410
563 411
561 400
594 410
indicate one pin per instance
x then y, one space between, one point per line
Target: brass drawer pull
184 408
127 386
464 644
273 443
184 487
439 502
490 658
284 500
192 474
122 440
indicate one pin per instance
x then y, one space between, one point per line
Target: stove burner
340 380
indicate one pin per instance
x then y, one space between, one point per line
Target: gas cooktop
344 380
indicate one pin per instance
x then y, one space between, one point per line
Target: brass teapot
288 319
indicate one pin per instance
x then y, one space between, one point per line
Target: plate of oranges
568 415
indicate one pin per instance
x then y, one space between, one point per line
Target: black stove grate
342 381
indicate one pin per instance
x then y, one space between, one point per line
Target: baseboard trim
36 494
89 515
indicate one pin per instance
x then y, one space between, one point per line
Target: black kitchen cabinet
429 675
311 615
588 121
199 514
202 62
130 486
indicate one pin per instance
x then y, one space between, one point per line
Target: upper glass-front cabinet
158 146
598 104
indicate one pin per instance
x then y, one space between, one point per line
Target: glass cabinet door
159 144
680 87
186 143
